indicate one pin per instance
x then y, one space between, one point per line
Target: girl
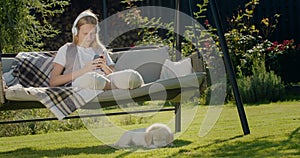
86 63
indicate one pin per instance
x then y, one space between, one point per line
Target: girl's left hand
101 62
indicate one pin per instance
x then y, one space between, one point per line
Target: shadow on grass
101 150
180 143
26 152
176 144
232 147
260 147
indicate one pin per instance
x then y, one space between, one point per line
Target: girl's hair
89 20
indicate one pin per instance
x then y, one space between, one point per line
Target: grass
275 132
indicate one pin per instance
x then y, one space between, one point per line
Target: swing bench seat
19 99
148 62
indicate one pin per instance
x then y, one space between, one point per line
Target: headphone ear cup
98 28
74 31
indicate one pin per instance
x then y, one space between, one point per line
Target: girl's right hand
90 66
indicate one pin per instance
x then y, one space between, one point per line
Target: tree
24 23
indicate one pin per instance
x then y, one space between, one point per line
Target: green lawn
275 132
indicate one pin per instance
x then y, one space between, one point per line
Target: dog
155 136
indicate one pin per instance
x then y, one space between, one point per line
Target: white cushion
176 69
91 80
18 93
125 79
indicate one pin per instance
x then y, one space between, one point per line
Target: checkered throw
32 70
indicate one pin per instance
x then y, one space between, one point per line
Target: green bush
131 120
261 87
28 128
25 24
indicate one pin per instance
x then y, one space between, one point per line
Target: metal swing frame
227 61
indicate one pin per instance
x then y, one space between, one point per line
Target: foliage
245 43
29 128
154 35
24 24
268 25
276 51
261 87
284 58
131 120
249 45
149 34
252 54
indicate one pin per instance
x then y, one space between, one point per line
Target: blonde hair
89 20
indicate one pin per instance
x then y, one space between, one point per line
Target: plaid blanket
32 70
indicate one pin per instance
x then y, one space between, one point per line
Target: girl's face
86 35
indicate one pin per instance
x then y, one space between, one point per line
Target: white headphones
81 15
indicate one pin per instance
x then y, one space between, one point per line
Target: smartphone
98 56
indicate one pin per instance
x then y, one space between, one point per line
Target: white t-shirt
84 54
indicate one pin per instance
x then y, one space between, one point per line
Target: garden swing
18 98
21 98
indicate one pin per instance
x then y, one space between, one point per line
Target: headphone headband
81 15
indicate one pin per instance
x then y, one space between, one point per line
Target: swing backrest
148 62
6 64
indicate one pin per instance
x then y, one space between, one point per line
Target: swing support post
229 67
227 60
2 97
178 38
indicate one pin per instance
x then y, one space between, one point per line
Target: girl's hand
90 66
101 62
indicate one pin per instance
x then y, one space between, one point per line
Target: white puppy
156 135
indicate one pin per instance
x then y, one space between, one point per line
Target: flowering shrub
253 55
275 50
286 45
283 59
